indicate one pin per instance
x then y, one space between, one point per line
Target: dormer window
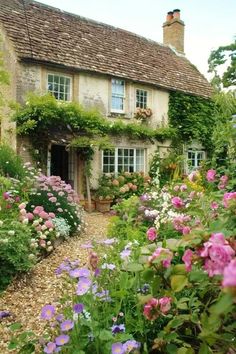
141 98
117 95
60 86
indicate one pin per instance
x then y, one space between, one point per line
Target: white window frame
65 77
196 152
136 91
134 157
114 110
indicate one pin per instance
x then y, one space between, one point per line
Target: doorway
60 162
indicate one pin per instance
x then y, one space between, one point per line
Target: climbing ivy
193 117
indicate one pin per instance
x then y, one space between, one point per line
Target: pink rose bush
154 308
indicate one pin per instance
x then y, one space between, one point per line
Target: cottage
100 66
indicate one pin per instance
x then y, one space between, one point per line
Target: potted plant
104 197
143 114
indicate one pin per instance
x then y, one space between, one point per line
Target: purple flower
108 266
118 328
47 312
50 348
4 314
62 339
117 348
104 295
79 272
87 246
130 345
83 286
78 308
67 325
60 318
109 241
125 254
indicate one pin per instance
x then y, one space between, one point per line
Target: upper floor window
195 158
60 86
141 99
117 95
123 160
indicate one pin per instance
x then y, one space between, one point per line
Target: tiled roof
47 34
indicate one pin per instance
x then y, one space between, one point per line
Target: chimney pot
169 16
176 13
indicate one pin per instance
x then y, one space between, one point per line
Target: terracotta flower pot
104 205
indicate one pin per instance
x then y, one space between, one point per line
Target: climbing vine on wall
193 117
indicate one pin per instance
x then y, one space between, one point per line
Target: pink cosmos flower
187 258
229 275
177 202
151 234
165 304
210 176
151 310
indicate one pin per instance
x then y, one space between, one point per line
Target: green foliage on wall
43 113
193 117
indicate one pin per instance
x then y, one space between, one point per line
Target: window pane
59 86
118 92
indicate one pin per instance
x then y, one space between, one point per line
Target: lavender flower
130 345
78 308
109 241
50 348
125 254
67 325
47 312
4 314
62 339
118 328
117 348
60 318
108 266
83 286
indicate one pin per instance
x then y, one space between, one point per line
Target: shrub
10 163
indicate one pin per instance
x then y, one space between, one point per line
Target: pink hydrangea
51 215
38 210
210 176
30 216
53 199
151 234
177 202
229 275
49 224
164 253
217 253
187 259
43 215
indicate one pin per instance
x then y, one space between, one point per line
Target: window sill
118 115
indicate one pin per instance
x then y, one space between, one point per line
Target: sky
208 23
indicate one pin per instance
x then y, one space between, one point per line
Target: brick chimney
173 30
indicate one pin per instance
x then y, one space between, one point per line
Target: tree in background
224 55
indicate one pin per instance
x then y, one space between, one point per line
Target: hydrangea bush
168 288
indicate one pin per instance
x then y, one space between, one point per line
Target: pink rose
229 275
151 234
166 262
227 197
187 258
165 304
177 202
210 176
150 310
186 230
214 205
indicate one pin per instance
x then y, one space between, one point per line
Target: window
118 95
60 86
123 160
141 99
195 158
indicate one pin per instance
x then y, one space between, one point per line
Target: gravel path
25 297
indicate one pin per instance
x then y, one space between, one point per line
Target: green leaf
148 274
178 282
179 269
105 335
185 351
223 306
29 348
171 349
204 349
15 326
134 267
